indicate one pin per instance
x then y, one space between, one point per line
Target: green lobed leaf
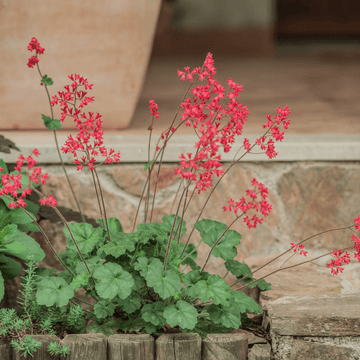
113 224
14 248
225 315
214 288
168 223
165 284
112 281
191 263
191 279
130 304
139 281
168 284
262 284
152 231
104 308
153 313
194 276
86 236
52 291
182 314
119 245
42 273
244 304
50 123
107 327
203 328
150 270
236 268
190 248
210 232
92 264
132 324
46 80
80 280
240 270
149 328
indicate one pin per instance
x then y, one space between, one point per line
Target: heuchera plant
138 278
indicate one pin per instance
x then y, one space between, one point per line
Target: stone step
314 327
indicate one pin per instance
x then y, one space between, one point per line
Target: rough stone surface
305 350
305 199
314 325
320 315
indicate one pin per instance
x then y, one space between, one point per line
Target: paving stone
320 315
310 324
306 350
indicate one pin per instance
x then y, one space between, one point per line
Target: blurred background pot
107 42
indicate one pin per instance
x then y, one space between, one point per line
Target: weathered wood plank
86 346
178 346
225 347
260 352
131 346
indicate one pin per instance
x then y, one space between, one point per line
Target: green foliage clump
136 293
37 320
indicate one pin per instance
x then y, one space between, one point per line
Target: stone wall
307 198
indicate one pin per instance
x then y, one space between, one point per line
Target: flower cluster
335 264
89 128
213 137
12 183
301 246
34 45
153 108
276 134
263 205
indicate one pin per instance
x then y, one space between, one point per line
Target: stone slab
133 146
314 327
320 315
305 350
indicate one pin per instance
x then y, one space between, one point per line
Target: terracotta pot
107 42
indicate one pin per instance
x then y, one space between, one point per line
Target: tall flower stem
168 136
58 150
103 204
277 257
